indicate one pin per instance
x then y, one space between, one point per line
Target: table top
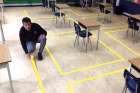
105 4
136 17
62 6
88 23
132 15
135 62
4 54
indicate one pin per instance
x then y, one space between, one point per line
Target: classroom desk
135 63
5 58
90 25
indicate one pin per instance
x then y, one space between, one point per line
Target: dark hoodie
32 35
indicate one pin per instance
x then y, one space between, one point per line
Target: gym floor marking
121 43
63 73
71 86
38 77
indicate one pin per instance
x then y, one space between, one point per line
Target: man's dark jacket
32 35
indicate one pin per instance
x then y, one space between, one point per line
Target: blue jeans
31 46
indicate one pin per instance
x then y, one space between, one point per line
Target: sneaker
40 57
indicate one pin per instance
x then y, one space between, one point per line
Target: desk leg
47 3
98 35
9 73
86 39
2 13
60 15
2 34
86 3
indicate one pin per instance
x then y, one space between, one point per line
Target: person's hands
29 55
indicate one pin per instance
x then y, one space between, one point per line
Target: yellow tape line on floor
121 43
58 67
41 86
54 61
100 76
71 86
112 51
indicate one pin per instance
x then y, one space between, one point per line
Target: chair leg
127 32
56 19
89 40
87 44
110 18
132 33
83 41
136 36
64 19
75 40
69 22
78 40
83 44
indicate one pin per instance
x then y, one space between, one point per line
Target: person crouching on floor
30 34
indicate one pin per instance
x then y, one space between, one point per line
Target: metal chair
132 24
105 11
131 83
108 13
81 33
57 14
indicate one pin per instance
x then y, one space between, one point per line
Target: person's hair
26 19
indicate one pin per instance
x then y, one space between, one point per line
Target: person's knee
30 48
43 38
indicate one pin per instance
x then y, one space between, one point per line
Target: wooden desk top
88 23
62 6
135 62
105 4
4 54
136 17
133 16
